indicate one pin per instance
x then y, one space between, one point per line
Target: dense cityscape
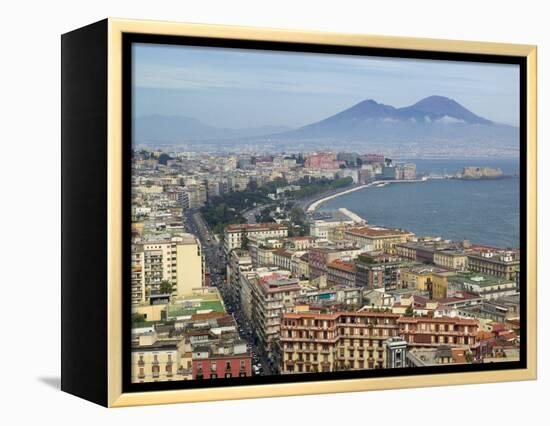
236 273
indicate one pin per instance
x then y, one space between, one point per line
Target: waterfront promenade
315 204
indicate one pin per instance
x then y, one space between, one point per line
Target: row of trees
227 208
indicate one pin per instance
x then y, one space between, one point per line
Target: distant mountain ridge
157 128
369 119
433 126
435 121
439 107
432 108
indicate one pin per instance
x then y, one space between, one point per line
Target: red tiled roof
336 315
461 321
376 232
209 315
498 327
343 265
283 252
485 335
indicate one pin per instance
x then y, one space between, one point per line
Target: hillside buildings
346 295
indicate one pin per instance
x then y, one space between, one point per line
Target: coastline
353 216
430 220
314 205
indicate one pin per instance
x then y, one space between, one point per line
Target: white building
234 234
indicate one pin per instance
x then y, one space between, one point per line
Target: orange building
432 332
315 342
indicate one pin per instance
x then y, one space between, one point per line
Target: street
216 262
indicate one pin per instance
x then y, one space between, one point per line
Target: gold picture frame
112 394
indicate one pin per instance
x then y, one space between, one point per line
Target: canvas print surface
299 213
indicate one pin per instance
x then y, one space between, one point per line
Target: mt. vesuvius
435 117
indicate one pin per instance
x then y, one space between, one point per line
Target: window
156 370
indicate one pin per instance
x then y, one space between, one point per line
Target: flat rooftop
377 231
475 278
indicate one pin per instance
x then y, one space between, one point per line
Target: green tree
136 317
165 287
297 216
244 242
409 312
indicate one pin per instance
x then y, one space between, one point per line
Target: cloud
333 81
449 120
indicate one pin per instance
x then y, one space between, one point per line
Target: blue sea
482 211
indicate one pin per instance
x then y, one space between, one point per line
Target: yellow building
189 264
177 260
451 259
150 312
377 238
426 278
440 284
155 360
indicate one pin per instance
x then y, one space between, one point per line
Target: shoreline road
314 204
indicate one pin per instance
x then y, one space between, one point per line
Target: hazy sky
247 88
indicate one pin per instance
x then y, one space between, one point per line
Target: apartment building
451 259
138 276
322 228
155 360
235 234
487 286
425 250
273 294
177 260
432 332
222 360
299 264
325 342
341 273
377 238
498 263
320 257
426 278
239 262
282 259
379 270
